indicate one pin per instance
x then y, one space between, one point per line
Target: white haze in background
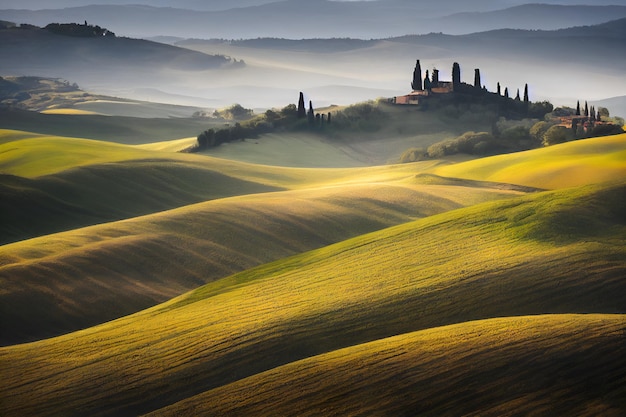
274 78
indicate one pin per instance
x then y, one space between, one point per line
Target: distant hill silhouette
299 19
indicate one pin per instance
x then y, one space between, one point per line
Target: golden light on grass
495 259
69 111
393 319
566 165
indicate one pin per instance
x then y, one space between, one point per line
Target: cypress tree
301 109
506 92
477 82
526 100
311 113
427 83
517 97
456 76
578 108
417 77
586 110
499 90
328 119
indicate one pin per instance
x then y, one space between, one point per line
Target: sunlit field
75 112
566 165
505 258
210 276
122 267
308 224
444 370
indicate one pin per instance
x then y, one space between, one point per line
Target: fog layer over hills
563 66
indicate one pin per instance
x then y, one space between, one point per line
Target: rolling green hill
566 165
122 267
119 129
528 255
549 365
51 184
106 192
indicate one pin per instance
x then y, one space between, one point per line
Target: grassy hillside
566 165
120 268
120 129
543 365
524 256
52 184
106 192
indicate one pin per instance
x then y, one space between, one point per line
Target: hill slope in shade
553 364
566 165
119 129
103 193
498 259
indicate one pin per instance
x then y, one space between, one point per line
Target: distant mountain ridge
297 19
34 48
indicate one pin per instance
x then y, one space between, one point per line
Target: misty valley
312 208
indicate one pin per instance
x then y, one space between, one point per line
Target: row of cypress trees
419 85
313 118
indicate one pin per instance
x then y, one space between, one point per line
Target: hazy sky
226 4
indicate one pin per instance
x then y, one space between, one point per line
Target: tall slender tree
311 113
586 109
578 108
301 109
526 100
506 92
499 89
477 82
435 77
456 76
427 83
417 77
517 97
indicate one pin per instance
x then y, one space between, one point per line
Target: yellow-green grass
69 183
289 149
69 111
557 365
95 194
566 165
62 282
498 259
31 155
119 129
176 145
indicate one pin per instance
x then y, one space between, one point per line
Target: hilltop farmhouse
432 85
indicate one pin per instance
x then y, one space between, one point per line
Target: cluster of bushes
245 129
517 135
473 143
81 31
234 112
360 117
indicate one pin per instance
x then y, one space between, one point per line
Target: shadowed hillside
475 263
104 193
